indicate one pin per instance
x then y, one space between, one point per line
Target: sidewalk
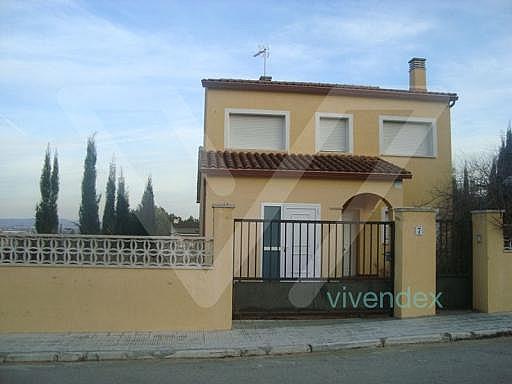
253 338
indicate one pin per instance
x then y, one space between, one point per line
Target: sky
130 72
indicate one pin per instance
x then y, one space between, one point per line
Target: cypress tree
88 215
163 225
122 216
43 222
146 211
54 194
109 212
135 226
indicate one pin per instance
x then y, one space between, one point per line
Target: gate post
492 264
415 262
223 251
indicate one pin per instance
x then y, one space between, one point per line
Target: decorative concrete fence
74 283
106 251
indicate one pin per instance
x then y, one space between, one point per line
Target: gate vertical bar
300 250
307 250
336 251
285 249
371 249
257 240
248 249
233 246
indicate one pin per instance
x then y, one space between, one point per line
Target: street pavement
475 361
253 338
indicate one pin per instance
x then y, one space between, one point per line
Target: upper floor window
256 129
333 132
402 136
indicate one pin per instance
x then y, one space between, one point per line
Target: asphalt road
480 361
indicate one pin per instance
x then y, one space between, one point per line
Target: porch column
492 264
415 262
223 253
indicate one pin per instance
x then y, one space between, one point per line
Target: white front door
300 257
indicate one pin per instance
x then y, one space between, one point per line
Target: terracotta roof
326 88
299 165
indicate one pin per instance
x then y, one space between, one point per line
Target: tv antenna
263 51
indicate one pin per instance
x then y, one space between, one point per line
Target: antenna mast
263 51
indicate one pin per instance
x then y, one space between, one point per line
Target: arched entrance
367 207
367 236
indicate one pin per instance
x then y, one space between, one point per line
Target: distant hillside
27 225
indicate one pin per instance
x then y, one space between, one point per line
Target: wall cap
482 211
415 209
223 205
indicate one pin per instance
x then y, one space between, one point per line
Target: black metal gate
328 268
454 264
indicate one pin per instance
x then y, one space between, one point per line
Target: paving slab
253 338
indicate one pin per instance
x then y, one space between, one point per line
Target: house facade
320 147
310 155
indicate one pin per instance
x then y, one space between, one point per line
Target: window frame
262 112
350 126
408 119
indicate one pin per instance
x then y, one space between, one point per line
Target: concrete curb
416 339
338 346
266 350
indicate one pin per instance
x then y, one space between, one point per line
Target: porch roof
299 165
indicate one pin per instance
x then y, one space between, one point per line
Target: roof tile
301 165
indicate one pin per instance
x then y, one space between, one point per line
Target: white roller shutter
407 138
332 134
252 131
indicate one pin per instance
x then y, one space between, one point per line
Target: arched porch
368 231
367 207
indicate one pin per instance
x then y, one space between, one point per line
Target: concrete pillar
415 262
492 265
223 253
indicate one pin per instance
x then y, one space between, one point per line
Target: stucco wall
248 194
427 172
61 299
110 299
492 265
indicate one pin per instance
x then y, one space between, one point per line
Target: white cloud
372 29
350 44
68 45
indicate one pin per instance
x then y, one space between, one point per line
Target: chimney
417 75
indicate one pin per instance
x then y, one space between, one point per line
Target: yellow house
317 152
